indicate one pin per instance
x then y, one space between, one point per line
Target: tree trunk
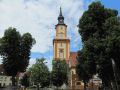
25 88
13 82
37 86
84 85
114 87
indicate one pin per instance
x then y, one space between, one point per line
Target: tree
112 27
25 81
100 34
92 20
59 73
40 73
15 51
85 67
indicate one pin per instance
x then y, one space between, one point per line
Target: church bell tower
61 43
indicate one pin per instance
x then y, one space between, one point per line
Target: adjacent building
74 82
4 80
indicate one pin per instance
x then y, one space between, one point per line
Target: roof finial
60 11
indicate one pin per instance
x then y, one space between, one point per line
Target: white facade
96 80
5 81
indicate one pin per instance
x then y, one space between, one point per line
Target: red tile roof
73 59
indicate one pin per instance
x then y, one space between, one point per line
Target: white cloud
49 62
39 17
31 62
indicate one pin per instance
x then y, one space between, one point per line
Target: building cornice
60 24
61 40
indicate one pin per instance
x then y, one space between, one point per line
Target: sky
39 18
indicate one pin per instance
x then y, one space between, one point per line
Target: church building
61 50
61 42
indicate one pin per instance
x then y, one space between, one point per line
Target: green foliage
9 46
91 22
100 31
40 73
15 51
86 67
25 46
59 73
112 27
25 81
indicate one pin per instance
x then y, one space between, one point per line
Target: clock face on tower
61 32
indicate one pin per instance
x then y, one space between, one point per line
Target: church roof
73 59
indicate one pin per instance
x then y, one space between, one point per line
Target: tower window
61 44
61 50
61 53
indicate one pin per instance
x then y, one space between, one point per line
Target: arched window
61 53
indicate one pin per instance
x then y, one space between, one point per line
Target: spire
60 11
60 18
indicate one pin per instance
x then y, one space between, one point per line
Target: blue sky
114 4
39 17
